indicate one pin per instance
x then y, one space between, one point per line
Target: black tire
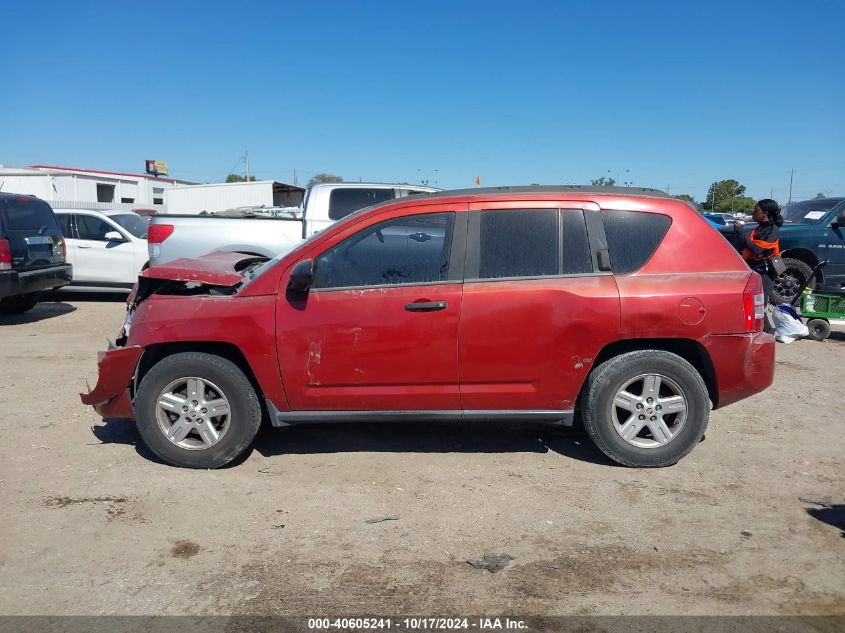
819 329
19 304
244 416
786 286
605 382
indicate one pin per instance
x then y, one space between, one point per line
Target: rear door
535 311
33 232
97 260
378 329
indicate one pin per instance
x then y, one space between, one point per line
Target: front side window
342 202
90 228
408 250
133 223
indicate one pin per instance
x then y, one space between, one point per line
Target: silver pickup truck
176 236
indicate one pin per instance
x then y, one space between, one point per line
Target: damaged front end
215 274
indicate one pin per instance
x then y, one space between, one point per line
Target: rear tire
819 329
19 304
647 408
785 287
197 410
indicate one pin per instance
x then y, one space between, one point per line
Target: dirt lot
751 523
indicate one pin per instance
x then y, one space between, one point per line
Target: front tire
197 410
19 304
647 408
787 285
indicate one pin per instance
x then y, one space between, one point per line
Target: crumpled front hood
221 268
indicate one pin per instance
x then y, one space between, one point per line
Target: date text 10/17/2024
416 624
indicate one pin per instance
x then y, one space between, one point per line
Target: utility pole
294 177
667 190
246 157
791 173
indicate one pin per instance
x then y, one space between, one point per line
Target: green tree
819 196
686 197
722 196
744 205
604 181
239 178
320 178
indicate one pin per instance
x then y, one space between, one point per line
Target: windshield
809 211
133 223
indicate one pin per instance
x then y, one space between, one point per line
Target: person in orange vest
761 244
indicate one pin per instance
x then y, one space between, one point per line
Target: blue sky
660 93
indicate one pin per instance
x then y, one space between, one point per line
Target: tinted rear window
632 237
518 243
28 214
342 202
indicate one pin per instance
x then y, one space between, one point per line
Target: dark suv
32 252
812 231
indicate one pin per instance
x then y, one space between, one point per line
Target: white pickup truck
176 236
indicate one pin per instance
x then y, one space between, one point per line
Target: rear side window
524 243
632 237
528 243
342 202
28 214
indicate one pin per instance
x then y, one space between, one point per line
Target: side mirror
302 276
114 236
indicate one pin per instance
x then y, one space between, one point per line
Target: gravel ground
752 522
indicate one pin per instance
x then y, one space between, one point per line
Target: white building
217 197
71 188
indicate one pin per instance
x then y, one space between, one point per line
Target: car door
535 309
378 329
834 239
97 260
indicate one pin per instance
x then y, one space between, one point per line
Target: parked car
617 305
813 231
32 252
107 249
176 236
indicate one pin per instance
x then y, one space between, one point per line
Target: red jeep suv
619 305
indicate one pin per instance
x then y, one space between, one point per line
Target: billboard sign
156 167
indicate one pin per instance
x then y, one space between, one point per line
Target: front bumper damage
111 398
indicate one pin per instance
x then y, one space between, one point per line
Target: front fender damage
110 398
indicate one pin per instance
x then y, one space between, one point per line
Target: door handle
427 306
83 246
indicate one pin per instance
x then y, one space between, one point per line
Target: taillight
159 232
64 247
5 255
752 300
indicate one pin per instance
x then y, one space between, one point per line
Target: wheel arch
690 350
805 255
158 351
